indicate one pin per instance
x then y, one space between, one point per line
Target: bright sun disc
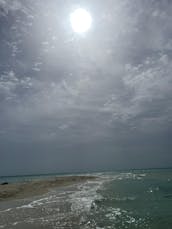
80 20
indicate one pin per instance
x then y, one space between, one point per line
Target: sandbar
38 187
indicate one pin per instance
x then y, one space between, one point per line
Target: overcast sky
92 101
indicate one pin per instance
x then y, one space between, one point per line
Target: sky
92 101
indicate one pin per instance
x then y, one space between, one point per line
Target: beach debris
4 183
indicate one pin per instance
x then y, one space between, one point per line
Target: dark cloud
72 102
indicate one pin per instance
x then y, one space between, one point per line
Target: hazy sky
91 101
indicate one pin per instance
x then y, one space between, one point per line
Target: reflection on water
139 199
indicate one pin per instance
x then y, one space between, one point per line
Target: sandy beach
38 187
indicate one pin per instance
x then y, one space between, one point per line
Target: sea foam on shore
127 199
63 206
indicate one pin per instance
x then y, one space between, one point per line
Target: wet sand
38 187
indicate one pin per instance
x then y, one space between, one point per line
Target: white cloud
88 80
9 83
8 5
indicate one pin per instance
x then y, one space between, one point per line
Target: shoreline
38 187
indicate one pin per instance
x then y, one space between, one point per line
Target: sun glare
81 20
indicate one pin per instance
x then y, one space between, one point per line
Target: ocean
115 200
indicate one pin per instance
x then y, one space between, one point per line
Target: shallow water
132 199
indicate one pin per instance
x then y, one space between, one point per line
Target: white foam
131 220
124 176
113 213
25 206
6 210
83 199
39 202
15 223
116 213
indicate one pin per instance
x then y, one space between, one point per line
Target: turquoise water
116 200
141 199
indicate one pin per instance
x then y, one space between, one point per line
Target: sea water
115 200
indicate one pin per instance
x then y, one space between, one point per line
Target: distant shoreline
82 173
38 187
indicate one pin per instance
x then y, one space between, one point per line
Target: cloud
10 84
150 81
111 85
7 5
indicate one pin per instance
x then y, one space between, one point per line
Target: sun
81 20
